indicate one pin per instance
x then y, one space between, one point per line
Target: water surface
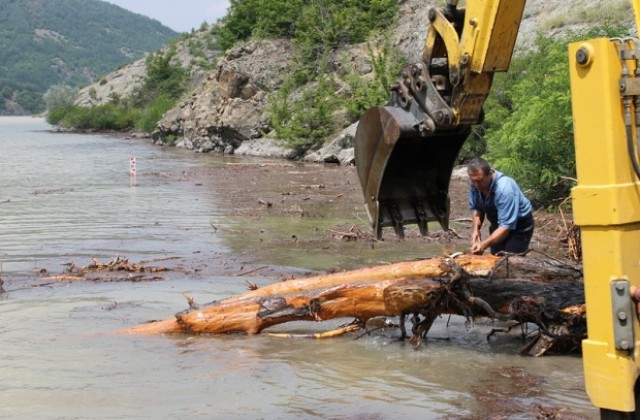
69 197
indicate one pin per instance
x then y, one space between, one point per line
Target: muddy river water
66 198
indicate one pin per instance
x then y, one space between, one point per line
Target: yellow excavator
405 152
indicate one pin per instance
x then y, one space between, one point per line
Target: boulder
338 150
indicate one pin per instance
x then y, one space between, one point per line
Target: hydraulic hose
621 46
631 150
630 144
626 101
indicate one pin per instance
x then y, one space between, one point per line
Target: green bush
367 92
325 25
316 25
306 122
163 79
56 115
100 117
150 115
529 125
238 23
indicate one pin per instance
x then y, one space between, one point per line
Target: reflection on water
59 359
69 197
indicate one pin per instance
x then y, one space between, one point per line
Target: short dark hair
476 164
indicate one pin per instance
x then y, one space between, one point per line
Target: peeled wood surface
389 290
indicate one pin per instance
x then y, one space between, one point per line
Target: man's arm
478 218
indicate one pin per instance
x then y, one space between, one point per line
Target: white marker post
132 167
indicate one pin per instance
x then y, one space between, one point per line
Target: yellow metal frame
490 32
488 37
606 205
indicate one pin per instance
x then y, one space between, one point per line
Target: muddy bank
312 216
330 196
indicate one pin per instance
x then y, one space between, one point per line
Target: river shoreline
259 189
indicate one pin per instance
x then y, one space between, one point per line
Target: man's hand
497 236
477 248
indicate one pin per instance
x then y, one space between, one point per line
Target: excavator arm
406 150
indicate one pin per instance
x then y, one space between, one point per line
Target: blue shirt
505 203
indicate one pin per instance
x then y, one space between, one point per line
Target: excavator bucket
404 171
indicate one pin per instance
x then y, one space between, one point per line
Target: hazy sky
181 15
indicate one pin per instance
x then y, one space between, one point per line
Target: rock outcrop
123 82
120 83
229 107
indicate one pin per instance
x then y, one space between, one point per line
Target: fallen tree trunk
517 289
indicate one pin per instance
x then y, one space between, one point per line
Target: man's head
480 174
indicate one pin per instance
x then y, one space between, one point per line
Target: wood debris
117 269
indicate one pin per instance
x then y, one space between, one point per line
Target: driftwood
117 269
517 290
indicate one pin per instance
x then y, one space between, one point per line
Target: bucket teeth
404 174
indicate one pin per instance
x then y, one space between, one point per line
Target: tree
59 96
58 100
529 125
513 289
164 78
534 143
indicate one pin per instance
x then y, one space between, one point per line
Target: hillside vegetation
70 42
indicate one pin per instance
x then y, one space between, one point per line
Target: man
496 197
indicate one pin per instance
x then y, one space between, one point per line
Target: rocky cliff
124 81
228 107
226 111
